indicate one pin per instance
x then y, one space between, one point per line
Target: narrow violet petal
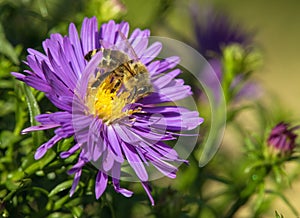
19 76
37 83
139 41
93 139
89 34
99 148
76 44
166 79
66 154
40 56
114 143
65 131
148 191
41 151
78 166
116 170
38 128
57 85
90 67
135 161
125 135
101 183
35 64
75 182
167 64
108 160
151 52
152 68
72 59
107 33
124 29
164 167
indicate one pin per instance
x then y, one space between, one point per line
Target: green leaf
77 211
20 110
65 144
34 110
255 165
74 202
61 187
7 139
260 198
59 215
278 215
40 164
6 48
285 200
60 202
6 107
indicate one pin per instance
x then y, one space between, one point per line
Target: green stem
248 190
241 201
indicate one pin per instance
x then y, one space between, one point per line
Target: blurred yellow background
278 34
277 26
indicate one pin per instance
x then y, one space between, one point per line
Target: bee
120 74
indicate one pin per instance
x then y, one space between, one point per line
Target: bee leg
132 94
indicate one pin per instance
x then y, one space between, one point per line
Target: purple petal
166 79
126 135
40 127
71 151
89 34
108 32
135 161
41 151
78 166
167 64
139 41
148 191
152 67
75 182
65 131
116 170
19 76
76 44
40 56
114 144
89 68
124 29
108 160
101 183
151 52
94 140
168 94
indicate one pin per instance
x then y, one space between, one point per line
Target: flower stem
236 206
249 189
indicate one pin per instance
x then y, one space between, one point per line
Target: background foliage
242 174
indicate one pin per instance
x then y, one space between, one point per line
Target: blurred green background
26 23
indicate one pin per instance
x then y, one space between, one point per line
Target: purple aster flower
117 117
283 137
214 30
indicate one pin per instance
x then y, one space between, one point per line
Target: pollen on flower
106 103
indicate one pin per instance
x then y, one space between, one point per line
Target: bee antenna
128 45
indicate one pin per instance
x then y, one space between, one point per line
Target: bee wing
126 47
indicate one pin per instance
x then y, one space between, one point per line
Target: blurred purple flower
283 137
116 134
214 30
239 87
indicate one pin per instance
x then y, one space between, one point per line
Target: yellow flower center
106 103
